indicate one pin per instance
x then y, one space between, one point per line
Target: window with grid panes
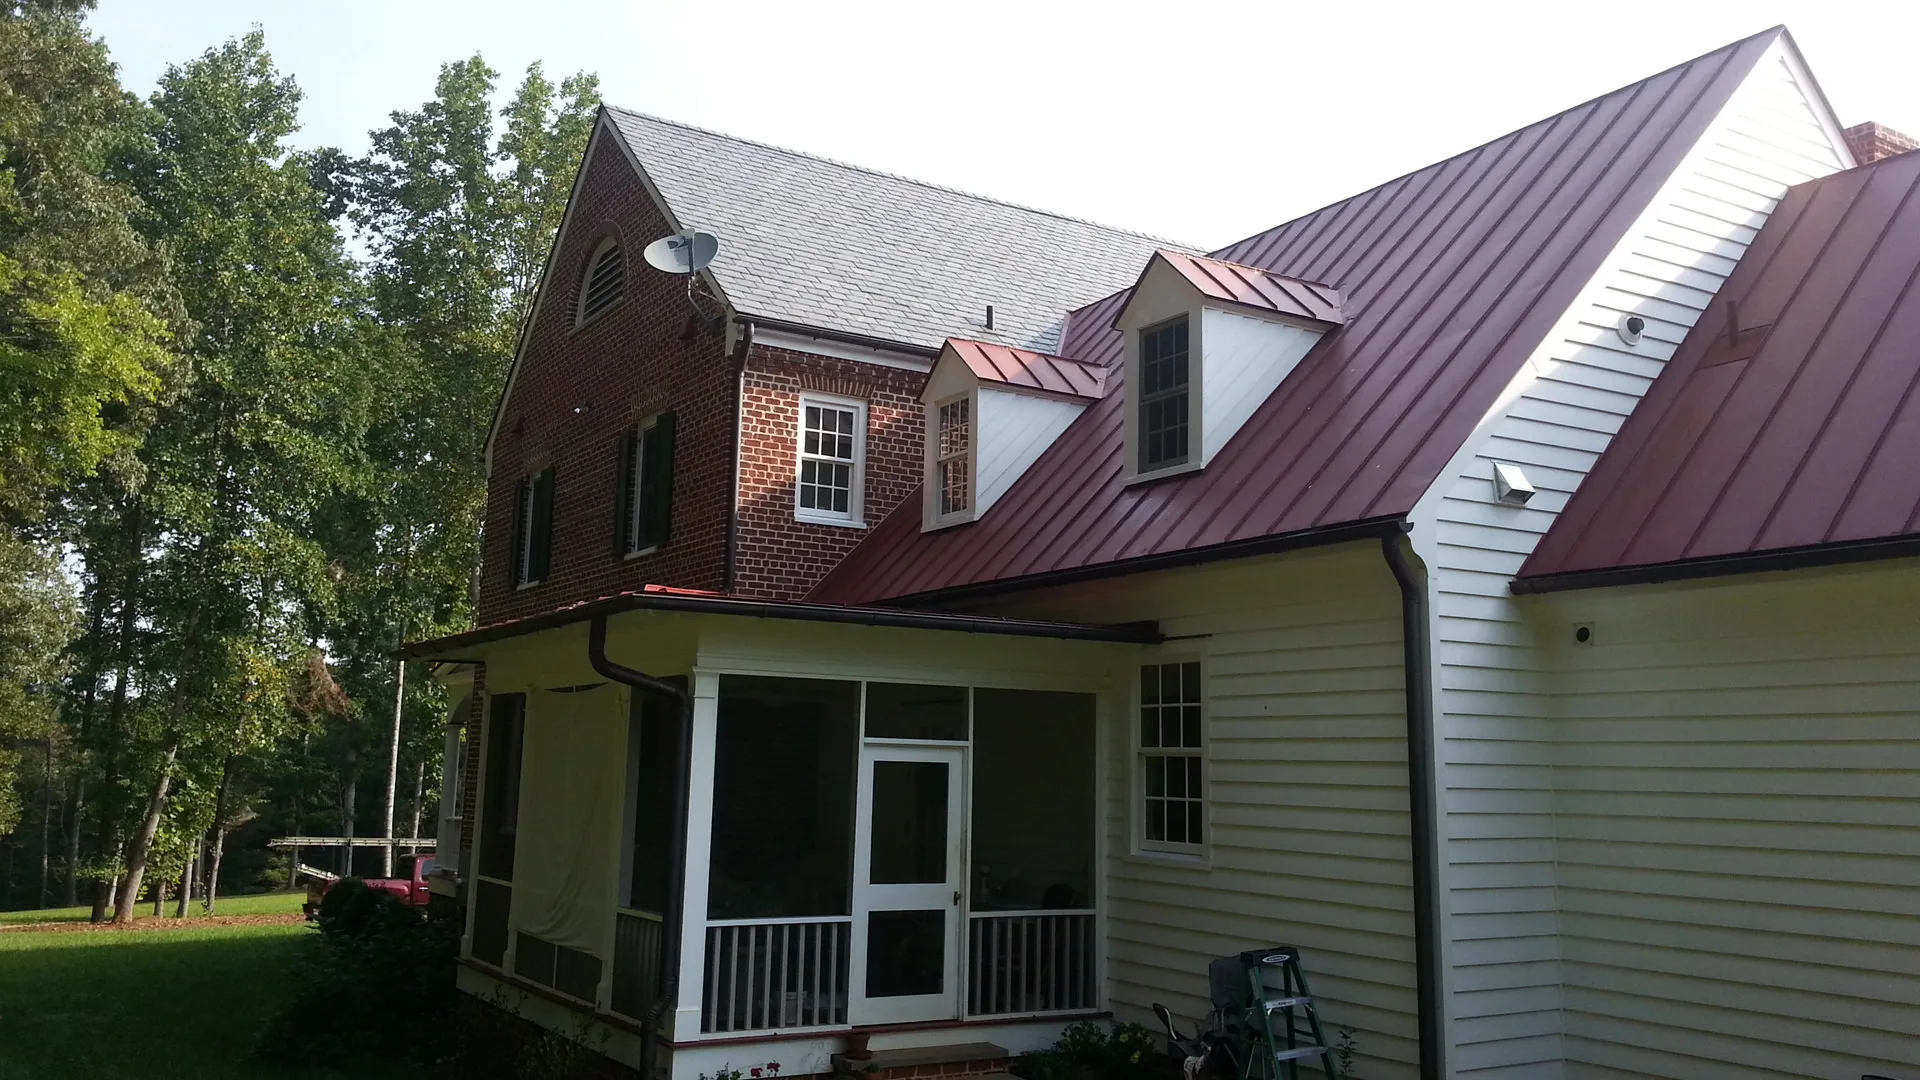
1171 777
954 479
831 438
1164 396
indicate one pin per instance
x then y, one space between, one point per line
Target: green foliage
37 618
1087 1051
377 984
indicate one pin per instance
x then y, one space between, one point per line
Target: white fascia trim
838 350
603 126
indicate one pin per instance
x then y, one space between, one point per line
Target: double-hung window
833 435
1171 767
953 460
533 528
1165 396
643 500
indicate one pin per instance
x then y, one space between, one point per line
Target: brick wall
780 557
578 389
1871 142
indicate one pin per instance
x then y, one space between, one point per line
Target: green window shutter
623 493
540 543
516 533
656 483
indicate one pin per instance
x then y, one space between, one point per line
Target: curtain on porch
573 776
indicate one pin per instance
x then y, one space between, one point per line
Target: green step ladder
1280 1011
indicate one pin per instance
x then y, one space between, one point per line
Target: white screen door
907 881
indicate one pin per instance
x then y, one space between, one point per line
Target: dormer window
953 470
1164 401
1206 342
604 282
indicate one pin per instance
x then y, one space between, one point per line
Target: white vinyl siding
1503 948
1243 361
1308 836
1013 430
1735 769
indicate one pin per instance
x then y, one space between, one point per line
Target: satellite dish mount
687 253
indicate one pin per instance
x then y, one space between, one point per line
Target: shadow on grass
185 1004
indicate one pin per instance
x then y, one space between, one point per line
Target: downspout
1417 644
667 988
739 421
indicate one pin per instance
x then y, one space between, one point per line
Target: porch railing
766 974
636 961
1030 962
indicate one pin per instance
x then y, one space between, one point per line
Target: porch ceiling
666 598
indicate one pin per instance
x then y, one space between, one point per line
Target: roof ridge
1778 28
837 163
1029 352
1261 270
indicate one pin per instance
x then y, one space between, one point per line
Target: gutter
845 337
1124 633
1794 558
1234 549
672 920
739 422
1422 805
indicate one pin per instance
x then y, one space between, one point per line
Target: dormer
990 411
1206 342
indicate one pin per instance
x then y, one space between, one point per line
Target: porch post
705 725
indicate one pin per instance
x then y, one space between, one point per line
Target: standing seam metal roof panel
1450 277
1799 429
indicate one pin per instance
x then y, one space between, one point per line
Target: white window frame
853 518
523 555
934 486
1137 786
628 540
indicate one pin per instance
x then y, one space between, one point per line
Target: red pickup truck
408 890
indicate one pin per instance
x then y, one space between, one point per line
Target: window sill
522 586
1167 473
948 522
844 523
1178 860
648 550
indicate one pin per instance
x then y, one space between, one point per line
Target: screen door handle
956 898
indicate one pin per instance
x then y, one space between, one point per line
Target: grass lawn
183 1003
280 903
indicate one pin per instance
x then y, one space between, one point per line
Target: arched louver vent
606 276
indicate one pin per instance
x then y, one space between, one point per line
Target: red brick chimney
1870 142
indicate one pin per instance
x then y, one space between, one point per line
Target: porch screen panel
572 793
783 798
1033 808
500 795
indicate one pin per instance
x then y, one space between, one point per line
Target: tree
266 431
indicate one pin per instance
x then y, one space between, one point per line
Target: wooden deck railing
776 974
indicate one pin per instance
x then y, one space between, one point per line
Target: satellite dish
682 253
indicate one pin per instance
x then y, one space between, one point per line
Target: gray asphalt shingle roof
812 241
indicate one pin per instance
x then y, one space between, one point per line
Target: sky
1197 122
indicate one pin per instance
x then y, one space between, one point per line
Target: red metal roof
1801 429
1250 286
1450 276
1038 371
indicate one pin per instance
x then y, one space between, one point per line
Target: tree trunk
419 794
186 883
46 832
348 811
212 886
142 845
393 760
108 804
159 902
75 807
